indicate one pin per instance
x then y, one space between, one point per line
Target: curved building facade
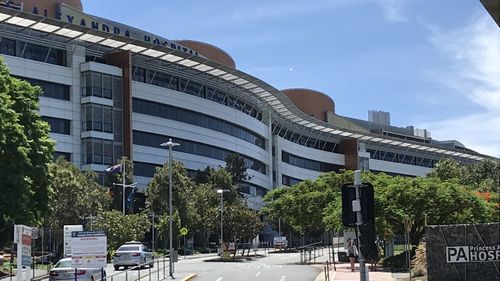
111 90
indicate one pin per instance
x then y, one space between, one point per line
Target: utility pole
356 206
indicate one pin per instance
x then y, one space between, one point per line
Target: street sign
183 231
34 233
89 249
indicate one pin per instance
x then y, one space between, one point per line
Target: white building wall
67 75
304 152
195 133
398 168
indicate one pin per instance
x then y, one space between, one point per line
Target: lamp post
221 192
170 144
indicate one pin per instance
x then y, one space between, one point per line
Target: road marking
283 278
258 273
220 278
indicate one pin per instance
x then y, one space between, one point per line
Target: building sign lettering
70 15
472 254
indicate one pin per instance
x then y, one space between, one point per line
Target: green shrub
398 262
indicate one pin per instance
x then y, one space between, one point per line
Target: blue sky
431 64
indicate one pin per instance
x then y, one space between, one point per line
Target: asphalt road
276 267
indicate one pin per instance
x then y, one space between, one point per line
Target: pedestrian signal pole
356 206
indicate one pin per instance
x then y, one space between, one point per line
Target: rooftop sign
70 15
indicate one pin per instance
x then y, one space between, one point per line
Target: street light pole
170 144
221 191
123 185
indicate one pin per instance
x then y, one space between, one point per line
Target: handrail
128 272
310 245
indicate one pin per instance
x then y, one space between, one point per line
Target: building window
58 125
97 151
42 53
96 117
402 158
8 47
192 88
195 118
308 163
101 85
142 169
65 155
289 181
196 148
50 89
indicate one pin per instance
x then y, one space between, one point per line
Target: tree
25 153
431 200
240 223
120 229
300 206
182 189
76 195
237 168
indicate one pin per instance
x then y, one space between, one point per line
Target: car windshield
64 263
128 248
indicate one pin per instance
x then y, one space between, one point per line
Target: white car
132 254
63 271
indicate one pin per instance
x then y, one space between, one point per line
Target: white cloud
474 75
393 10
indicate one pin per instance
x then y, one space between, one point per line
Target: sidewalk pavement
344 273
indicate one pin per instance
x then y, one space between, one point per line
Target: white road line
258 273
220 278
283 278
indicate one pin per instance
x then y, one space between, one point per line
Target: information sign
67 237
88 249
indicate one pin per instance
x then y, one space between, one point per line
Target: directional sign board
22 236
88 249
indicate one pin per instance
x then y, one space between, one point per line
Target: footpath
343 273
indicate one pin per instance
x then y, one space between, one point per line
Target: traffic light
366 201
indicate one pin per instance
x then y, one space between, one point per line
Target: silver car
132 254
63 271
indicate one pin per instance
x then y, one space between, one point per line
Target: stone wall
469 252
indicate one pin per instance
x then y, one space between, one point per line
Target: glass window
196 148
8 47
308 163
65 155
196 118
42 53
50 89
289 181
58 125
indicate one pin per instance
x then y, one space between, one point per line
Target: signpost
184 231
22 236
88 249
